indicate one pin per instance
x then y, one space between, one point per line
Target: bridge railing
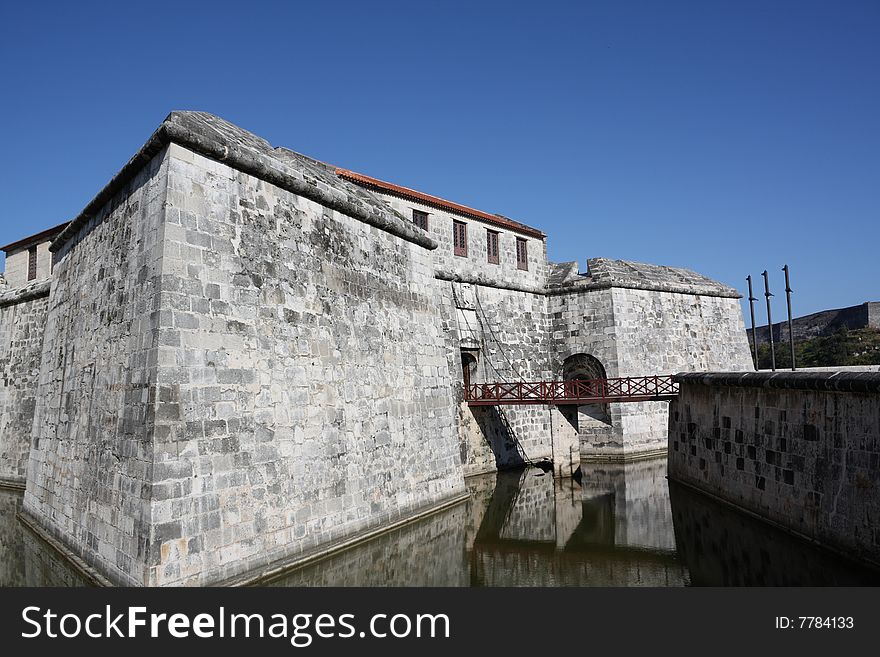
584 391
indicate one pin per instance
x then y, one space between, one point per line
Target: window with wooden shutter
32 262
492 246
522 254
420 219
459 238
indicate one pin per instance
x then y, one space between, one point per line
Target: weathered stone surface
604 273
222 141
11 296
310 410
273 399
637 332
90 473
22 322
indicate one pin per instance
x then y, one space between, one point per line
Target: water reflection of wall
532 513
481 489
498 568
429 552
524 529
541 532
11 570
723 547
639 495
24 559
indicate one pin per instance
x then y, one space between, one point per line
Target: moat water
622 525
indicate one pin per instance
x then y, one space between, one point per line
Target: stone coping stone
866 382
485 281
34 290
219 140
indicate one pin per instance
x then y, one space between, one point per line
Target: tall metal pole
752 300
767 295
788 302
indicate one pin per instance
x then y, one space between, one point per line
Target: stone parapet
219 140
830 381
36 290
603 273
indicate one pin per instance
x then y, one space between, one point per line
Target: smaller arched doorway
468 367
582 367
585 367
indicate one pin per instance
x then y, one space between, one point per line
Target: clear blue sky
727 137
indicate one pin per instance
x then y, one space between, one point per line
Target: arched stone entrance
468 367
587 419
582 366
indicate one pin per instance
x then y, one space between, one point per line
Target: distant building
29 259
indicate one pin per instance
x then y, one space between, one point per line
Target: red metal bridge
593 391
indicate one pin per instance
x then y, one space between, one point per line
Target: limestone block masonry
801 449
229 377
640 320
242 357
22 322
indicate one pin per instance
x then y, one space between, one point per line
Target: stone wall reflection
24 559
638 496
622 525
426 553
723 547
614 529
12 572
523 528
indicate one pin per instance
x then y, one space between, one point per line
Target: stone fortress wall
799 449
523 325
24 292
639 320
22 323
233 423
249 357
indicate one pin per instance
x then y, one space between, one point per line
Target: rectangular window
32 262
522 254
420 219
492 246
459 238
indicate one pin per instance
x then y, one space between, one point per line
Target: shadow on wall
500 436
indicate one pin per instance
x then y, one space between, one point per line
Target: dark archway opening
582 367
468 368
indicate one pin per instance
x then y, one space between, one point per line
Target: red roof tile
436 202
42 236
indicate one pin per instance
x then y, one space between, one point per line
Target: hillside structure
822 323
237 357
